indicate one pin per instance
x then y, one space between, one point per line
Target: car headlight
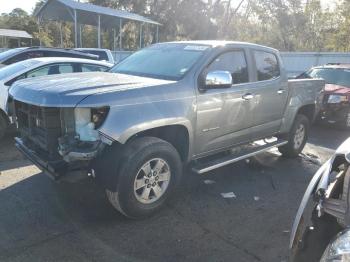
335 99
339 249
87 120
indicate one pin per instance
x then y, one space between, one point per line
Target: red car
336 103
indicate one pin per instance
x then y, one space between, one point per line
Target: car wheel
297 137
149 172
3 126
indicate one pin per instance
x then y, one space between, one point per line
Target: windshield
165 61
8 53
335 76
14 68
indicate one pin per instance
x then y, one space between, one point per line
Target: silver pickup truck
203 104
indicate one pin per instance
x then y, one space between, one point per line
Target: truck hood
68 90
337 89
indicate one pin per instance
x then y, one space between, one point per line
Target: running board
203 167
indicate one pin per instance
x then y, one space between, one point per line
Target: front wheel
297 137
149 172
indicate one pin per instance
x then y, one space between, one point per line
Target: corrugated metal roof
14 33
87 8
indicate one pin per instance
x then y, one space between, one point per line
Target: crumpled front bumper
74 162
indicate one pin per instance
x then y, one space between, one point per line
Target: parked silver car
168 105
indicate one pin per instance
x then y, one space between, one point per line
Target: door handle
248 96
280 91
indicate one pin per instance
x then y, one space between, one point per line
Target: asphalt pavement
41 220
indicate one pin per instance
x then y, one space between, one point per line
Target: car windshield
164 61
8 53
16 67
336 76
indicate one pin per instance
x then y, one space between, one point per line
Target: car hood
67 90
337 89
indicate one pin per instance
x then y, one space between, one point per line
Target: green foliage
291 25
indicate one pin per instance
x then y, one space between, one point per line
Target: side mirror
218 79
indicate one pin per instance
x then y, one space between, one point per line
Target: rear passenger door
270 94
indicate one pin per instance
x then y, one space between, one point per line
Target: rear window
267 65
24 56
9 70
6 54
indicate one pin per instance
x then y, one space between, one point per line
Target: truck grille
41 126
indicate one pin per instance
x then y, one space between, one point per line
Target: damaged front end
60 141
325 208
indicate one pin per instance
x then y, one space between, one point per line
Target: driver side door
224 115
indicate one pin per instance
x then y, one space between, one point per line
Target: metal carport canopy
17 34
14 33
86 13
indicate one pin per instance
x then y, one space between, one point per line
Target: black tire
3 126
124 197
292 148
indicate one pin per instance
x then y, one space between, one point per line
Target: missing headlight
98 116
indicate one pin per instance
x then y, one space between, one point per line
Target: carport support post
113 39
75 29
140 36
157 34
61 35
120 34
99 32
39 31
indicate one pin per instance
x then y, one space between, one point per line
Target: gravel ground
41 220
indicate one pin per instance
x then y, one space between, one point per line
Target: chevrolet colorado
202 104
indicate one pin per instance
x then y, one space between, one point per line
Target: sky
7 6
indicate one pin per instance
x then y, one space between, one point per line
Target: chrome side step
203 167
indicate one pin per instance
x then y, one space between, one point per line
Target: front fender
126 121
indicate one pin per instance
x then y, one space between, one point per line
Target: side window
51 70
43 71
267 65
234 62
92 68
65 68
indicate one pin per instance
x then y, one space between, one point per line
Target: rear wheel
297 137
149 172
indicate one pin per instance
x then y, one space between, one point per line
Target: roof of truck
215 43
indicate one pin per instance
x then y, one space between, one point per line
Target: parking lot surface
41 220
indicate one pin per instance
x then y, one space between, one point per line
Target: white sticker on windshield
196 47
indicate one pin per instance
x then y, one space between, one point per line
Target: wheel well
308 111
176 135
